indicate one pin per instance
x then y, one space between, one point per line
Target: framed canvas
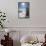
23 9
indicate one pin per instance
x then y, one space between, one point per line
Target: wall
37 13
36 22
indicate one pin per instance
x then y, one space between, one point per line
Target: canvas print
23 9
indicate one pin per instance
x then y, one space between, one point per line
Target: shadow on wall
16 43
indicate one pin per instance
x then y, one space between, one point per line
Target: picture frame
23 9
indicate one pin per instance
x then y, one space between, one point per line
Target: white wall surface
36 22
37 13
